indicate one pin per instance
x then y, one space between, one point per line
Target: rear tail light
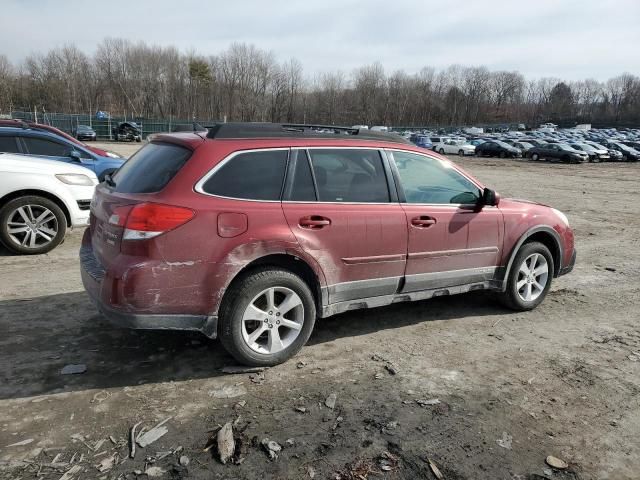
148 220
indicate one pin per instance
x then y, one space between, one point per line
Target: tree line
246 83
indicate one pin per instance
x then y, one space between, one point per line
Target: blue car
421 141
47 145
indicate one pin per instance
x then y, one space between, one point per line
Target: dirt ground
563 380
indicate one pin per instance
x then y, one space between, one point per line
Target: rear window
151 168
250 176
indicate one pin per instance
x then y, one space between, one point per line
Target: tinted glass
250 175
352 175
41 146
429 180
8 145
302 189
151 168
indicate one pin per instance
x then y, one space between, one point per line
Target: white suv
454 146
39 200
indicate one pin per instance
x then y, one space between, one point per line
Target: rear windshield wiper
109 180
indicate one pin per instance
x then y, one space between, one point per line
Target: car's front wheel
32 225
267 317
535 157
441 151
530 277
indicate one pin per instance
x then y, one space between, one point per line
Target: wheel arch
286 261
545 235
40 193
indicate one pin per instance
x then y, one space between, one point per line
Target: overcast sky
560 38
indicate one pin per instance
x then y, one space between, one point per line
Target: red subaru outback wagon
248 232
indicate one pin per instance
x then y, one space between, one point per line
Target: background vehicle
628 154
84 132
523 146
127 132
239 220
558 151
48 128
455 147
421 141
595 155
497 148
53 147
39 200
614 155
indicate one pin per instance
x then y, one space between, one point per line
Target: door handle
314 222
423 221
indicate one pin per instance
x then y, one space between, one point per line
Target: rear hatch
129 193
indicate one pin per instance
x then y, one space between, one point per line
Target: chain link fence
68 122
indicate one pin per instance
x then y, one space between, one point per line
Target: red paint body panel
187 270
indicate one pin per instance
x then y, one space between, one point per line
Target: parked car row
546 143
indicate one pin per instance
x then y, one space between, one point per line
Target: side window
250 176
9 145
301 186
350 175
42 146
429 180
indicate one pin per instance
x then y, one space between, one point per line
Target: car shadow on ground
42 335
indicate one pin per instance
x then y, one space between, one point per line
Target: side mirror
490 198
75 155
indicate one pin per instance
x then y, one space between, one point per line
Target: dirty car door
339 205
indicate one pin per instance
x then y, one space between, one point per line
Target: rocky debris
428 403
235 369
378 376
107 463
301 409
152 435
434 468
505 441
22 443
311 472
228 391
301 364
271 448
330 402
226 443
74 369
132 440
154 472
391 369
69 474
257 378
556 462
184 461
387 461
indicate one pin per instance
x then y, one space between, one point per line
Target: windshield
502 144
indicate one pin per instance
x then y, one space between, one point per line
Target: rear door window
301 187
9 145
249 176
42 146
350 175
150 168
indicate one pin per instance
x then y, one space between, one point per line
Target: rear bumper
93 274
569 267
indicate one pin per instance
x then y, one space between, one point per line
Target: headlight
562 216
75 179
113 155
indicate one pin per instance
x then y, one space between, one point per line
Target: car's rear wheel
530 277
461 153
267 317
32 225
441 151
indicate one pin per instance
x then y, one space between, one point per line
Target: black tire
535 157
441 152
502 155
461 153
510 298
237 299
7 213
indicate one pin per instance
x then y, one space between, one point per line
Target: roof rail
293 130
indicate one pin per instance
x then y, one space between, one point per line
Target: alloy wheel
32 226
273 320
533 276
